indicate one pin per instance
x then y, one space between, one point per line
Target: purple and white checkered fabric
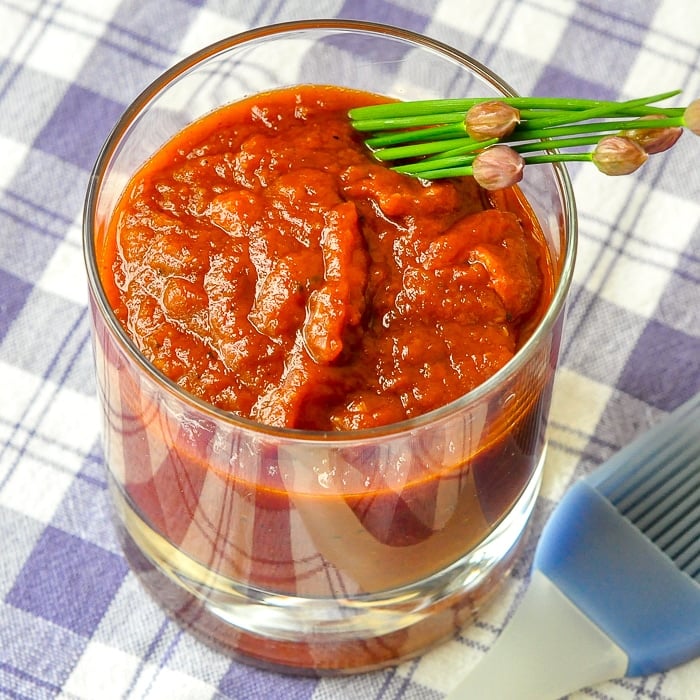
74 621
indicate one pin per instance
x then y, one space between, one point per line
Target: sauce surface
268 265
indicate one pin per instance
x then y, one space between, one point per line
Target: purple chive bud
691 116
491 120
654 140
498 167
617 155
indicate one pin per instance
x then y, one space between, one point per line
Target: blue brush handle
621 581
603 602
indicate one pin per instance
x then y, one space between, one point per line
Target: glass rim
522 355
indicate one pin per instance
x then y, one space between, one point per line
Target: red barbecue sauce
265 262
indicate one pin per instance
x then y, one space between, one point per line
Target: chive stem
557 144
446 172
455 146
432 137
603 110
557 158
440 106
429 134
468 148
461 170
521 134
524 132
407 122
465 158
422 149
422 166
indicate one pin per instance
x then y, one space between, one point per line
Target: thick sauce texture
265 262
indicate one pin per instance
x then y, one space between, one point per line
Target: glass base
324 636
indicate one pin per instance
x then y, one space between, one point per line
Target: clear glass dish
247 533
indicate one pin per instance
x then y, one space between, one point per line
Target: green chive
431 134
449 131
421 149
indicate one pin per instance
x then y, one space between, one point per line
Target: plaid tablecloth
74 621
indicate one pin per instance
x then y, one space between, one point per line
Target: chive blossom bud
654 140
617 155
691 116
489 120
498 167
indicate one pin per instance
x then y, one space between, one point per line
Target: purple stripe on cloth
41 654
13 295
582 63
10 70
91 577
663 358
558 81
56 369
388 13
30 244
35 214
85 513
79 126
149 655
623 13
679 303
625 22
35 686
590 352
244 682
